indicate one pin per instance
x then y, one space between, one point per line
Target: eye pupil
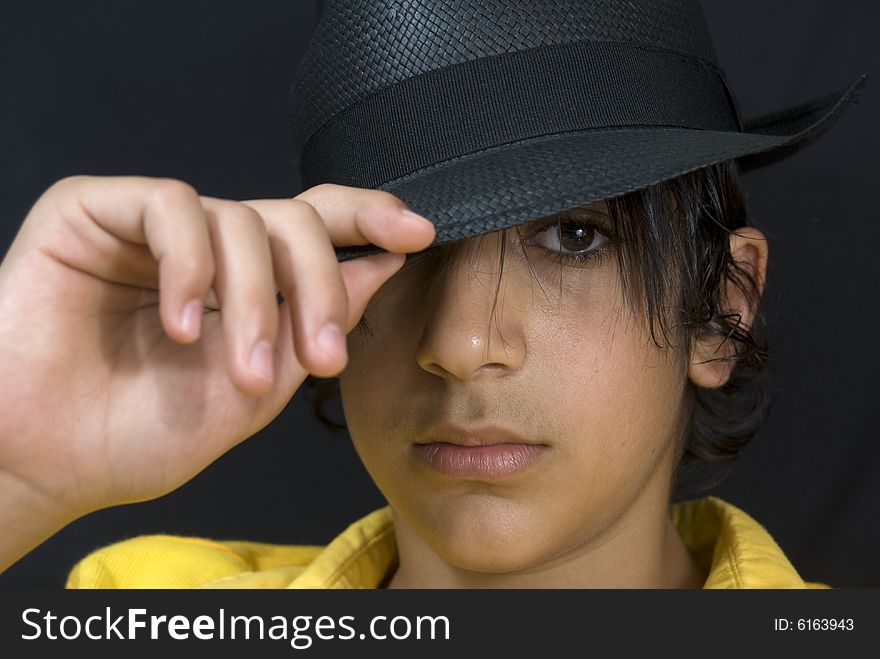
573 236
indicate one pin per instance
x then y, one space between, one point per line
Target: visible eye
575 239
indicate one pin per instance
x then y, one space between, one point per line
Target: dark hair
675 262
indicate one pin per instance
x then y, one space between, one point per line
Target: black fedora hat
484 114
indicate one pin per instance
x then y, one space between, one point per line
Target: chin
483 533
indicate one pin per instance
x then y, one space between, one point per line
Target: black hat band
490 102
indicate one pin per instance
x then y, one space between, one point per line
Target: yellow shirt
736 551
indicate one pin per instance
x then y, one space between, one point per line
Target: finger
245 288
363 277
164 214
308 274
358 216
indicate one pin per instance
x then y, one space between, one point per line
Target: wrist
28 517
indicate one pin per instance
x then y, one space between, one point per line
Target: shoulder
167 561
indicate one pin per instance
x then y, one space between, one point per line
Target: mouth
488 453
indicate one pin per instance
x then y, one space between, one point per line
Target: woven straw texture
360 47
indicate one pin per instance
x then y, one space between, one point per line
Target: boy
523 403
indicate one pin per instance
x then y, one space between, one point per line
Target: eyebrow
592 212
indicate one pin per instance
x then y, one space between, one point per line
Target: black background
196 90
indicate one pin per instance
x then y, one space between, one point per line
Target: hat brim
502 187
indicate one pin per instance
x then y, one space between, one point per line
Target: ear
748 247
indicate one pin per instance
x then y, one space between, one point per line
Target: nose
475 318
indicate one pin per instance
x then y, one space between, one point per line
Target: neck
640 548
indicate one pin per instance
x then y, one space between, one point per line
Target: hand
141 337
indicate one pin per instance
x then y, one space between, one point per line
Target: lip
486 453
472 436
492 462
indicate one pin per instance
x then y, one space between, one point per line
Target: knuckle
243 214
195 268
380 197
239 214
66 184
304 211
322 299
337 299
74 179
261 306
262 312
323 190
170 192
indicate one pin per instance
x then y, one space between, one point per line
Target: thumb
363 277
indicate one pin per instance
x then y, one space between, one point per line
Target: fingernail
191 317
330 340
261 360
416 218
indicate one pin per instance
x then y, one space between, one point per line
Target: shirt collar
733 548
362 556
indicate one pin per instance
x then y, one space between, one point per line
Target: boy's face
563 363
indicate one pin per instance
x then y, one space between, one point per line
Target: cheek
375 395
613 382
613 397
